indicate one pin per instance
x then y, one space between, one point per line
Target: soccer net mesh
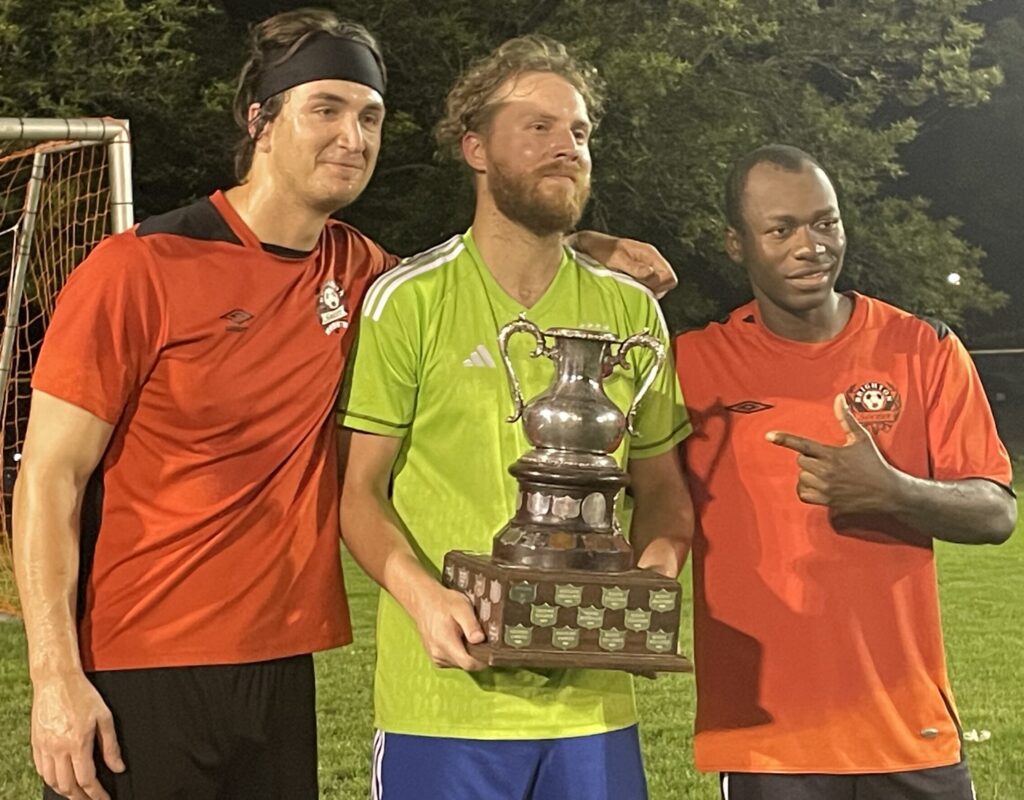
43 237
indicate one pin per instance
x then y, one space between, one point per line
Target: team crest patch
330 307
875 405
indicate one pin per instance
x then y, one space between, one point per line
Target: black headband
321 57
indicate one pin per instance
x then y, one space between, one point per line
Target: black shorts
940 783
222 732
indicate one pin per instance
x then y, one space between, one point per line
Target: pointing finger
807 447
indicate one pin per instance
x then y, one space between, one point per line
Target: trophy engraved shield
560 587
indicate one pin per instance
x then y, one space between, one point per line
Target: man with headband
195 361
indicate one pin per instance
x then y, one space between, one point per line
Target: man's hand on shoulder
68 719
639 260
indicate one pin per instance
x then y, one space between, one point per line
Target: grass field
983 608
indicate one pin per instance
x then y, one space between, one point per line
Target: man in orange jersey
195 360
835 438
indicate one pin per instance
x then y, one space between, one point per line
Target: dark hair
787 157
469 104
288 30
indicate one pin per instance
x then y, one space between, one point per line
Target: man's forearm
663 518
973 511
373 534
46 556
376 538
661 539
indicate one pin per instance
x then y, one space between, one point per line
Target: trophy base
548 619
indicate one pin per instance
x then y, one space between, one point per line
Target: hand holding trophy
560 588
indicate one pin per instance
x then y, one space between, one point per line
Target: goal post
64 185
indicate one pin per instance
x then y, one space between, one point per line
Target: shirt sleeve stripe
345 414
399 277
405 266
597 269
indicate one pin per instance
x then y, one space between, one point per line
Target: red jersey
819 650
218 363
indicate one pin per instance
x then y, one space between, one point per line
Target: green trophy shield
614 598
590 617
662 600
612 639
518 635
638 619
659 641
565 638
568 595
523 592
544 615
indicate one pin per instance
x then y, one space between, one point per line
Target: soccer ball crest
876 405
330 307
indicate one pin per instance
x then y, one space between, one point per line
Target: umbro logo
239 319
748 407
480 357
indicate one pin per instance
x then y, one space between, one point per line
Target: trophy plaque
560 587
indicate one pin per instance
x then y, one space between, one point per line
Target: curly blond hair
470 106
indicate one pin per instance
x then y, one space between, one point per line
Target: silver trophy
568 483
560 588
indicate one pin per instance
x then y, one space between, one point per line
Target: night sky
970 164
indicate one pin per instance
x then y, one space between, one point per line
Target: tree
692 84
157 63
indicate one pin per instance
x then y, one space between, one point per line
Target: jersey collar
504 302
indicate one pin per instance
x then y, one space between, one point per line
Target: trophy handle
642 339
520 325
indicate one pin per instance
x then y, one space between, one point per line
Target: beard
522 200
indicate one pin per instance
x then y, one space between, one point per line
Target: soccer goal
64 185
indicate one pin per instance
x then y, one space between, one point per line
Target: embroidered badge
876 405
331 309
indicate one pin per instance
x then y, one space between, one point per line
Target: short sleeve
661 420
106 331
962 438
382 379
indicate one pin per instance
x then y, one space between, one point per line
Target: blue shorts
604 766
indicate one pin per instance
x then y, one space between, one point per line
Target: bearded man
426 406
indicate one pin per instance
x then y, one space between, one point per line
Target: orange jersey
819 650
218 363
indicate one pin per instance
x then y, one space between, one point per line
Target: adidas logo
480 357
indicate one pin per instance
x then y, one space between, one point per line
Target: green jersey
427 369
